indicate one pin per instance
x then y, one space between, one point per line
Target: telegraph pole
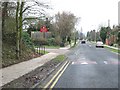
108 23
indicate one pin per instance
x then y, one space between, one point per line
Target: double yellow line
57 76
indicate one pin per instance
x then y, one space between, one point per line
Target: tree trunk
20 25
17 32
4 14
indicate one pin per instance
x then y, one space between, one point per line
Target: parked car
99 44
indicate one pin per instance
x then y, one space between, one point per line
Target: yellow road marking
54 76
58 77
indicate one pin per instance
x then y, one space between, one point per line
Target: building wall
38 35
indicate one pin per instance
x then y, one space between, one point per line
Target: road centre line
54 76
84 63
89 45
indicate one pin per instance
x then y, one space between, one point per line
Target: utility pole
108 23
95 36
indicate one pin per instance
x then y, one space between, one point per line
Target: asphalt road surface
90 67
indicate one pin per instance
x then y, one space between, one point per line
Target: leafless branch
28 8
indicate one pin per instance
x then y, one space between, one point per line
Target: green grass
42 52
93 42
74 45
113 50
59 58
72 41
53 47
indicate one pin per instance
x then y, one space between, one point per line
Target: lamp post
95 35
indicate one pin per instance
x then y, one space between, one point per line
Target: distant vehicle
99 44
83 42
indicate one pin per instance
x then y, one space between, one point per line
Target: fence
40 49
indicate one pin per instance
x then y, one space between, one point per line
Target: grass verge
53 47
41 52
59 58
113 50
93 42
74 45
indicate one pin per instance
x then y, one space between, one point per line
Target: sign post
44 30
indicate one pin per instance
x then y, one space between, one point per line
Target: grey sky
93 13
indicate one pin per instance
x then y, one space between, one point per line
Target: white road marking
75 53
84 63
83 58
89 45
72 62
105 62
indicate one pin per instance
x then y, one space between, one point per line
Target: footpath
13 72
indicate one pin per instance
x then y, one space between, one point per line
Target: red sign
43 29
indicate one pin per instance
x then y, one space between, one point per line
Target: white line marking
83 58
89 45
84 63
95 62
105 62
72 62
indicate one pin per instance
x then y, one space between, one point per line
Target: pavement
15 71
90 67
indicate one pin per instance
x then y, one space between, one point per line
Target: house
112 36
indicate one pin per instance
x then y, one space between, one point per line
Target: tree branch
28 8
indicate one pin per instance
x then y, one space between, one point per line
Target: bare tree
23 9
17 31
65 23
4 14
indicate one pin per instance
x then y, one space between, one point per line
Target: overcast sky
93 13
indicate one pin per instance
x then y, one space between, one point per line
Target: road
90 67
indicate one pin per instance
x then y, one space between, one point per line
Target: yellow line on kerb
46 86
59 76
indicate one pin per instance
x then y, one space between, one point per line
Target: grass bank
59 58
53 47
42 52
113 50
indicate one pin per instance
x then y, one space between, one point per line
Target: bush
62 44
57 41
50 41
40 41
27 40
54 41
